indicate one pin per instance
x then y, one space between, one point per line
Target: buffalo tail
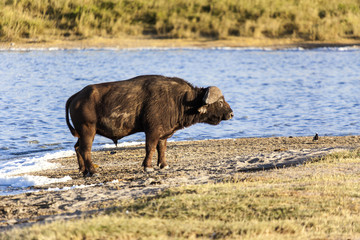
72 129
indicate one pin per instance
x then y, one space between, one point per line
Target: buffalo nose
231 115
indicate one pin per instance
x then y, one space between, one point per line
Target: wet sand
141 42
121 176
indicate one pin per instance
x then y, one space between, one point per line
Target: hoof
148 169
165 168
89 174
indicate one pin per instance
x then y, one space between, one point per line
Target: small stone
149 170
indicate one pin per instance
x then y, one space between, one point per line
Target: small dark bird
316 137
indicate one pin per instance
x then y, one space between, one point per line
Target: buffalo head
214 108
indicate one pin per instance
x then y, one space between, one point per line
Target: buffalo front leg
79 158
161 148
151 143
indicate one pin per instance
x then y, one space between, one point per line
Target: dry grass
319 200
41 20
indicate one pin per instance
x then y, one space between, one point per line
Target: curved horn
212 95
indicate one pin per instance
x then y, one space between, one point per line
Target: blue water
291 92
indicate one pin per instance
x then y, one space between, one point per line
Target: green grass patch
319 200
204 19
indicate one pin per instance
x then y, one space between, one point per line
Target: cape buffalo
156 105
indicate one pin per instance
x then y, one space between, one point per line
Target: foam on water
25 165
12 183
29 180
11 169
122 144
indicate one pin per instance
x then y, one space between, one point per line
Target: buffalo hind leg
79 158
161 148
151 143
85 143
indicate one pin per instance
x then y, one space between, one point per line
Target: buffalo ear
212 94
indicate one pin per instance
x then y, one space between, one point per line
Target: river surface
289 92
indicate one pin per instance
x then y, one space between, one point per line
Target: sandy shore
122 43
193 162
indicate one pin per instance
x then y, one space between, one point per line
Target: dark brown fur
156 105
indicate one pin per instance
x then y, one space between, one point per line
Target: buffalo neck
191 103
